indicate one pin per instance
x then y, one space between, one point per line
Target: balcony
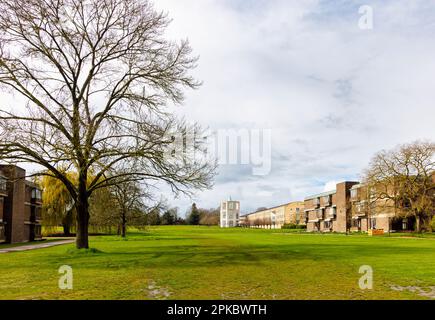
331 213
360 210
319 214
326 201
354 195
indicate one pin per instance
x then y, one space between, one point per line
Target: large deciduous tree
96 76
405 176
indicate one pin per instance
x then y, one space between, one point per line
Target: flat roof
282 205
359 185
319 195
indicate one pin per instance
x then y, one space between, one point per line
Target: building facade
370 213
330 211
20 206
229 214
276 217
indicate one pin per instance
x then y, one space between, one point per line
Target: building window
356 223
2 184
373 223
38 231
2 232
230 205
36 194
224 205
353 193
405 224
328 224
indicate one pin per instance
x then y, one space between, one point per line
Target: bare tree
209 217
130 200
405 179
96 76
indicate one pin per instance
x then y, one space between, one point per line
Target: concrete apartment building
330 211
229 214
20 206
276 217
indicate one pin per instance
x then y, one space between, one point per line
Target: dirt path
36 246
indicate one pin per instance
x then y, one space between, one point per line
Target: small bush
432 224
294 226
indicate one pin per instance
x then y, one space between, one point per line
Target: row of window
323 199
2 183
230 216
232 205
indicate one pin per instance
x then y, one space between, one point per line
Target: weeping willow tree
58 205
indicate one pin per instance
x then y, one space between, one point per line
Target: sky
331 93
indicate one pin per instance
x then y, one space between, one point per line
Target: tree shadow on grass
169 256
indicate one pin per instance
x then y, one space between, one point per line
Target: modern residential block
370 213
20 206
276 217
330 211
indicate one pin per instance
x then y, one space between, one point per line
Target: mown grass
184 262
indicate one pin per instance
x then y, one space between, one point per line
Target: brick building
330 211
371 213
20 206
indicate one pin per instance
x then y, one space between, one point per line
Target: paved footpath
36 246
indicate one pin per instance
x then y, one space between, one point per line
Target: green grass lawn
186 262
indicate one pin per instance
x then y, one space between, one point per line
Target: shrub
294 226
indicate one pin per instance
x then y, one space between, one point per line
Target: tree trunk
82 207
66 229
123 225
67 222
417 224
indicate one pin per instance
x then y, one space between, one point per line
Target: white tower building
230 213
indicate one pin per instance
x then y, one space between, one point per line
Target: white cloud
332 94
